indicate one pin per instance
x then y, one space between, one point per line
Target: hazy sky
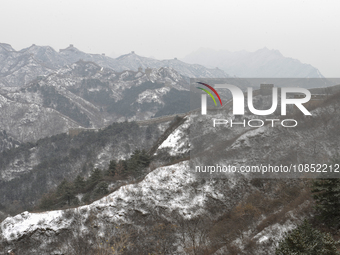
307 30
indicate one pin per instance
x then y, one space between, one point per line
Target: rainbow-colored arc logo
208 92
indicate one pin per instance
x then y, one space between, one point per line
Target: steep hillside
174 211
19 68
89 96
32 169
169 212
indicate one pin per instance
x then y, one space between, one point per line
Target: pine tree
327 198
112 168
102 188
65 191
68 193
122 168
79 184
95 176
138 160
61 187
133 163
305 240
125 167
144 158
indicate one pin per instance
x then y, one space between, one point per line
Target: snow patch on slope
178 141
149 96
154 191
26 223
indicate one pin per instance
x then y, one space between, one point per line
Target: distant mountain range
87 95
44 92
261 63
18 68
166 208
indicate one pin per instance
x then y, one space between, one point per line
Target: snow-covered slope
18 68
171 193
236 213
86 95
115 206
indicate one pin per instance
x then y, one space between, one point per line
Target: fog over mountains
95 154
261 63
17 68
44 92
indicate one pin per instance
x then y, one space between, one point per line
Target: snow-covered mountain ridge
217 216
18 68
169 192
89 96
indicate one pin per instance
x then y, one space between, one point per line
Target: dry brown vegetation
249 213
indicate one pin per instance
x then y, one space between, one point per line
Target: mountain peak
268 53
70 48
264 49
129 55
36 49
7 47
